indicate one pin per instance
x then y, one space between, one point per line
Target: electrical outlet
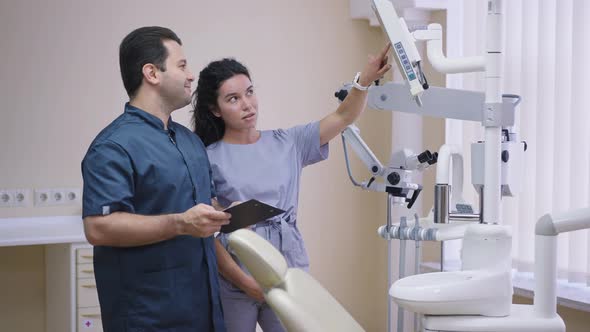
21 197
57 196
14 197
6 198
73 196
43 197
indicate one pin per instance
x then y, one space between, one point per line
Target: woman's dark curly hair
205 124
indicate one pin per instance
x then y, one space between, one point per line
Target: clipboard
249 213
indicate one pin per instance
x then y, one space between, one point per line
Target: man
147 196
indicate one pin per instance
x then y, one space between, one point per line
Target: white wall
60 85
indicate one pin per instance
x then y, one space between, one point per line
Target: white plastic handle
91 315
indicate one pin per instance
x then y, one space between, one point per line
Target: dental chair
299 301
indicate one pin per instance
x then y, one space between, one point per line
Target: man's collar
147 117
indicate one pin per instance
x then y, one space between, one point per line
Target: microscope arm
351 136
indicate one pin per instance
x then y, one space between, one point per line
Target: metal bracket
494 114
440 103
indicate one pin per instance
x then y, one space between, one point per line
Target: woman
266 165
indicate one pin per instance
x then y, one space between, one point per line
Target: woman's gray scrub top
269 171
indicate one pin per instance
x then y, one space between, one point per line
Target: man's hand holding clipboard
249 213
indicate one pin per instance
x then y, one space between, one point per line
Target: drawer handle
89 286
90 315
88 271
87 256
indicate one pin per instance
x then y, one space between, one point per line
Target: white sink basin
475 292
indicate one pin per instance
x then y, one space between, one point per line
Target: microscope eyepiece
424 156
434 159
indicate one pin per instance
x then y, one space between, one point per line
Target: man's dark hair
140 47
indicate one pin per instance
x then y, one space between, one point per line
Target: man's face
175 86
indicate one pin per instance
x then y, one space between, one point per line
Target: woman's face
237 104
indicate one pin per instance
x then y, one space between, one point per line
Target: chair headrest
265 262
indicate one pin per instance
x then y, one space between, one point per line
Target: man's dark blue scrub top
134 165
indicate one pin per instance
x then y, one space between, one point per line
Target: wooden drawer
89 320
84 256
84 271
86 293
